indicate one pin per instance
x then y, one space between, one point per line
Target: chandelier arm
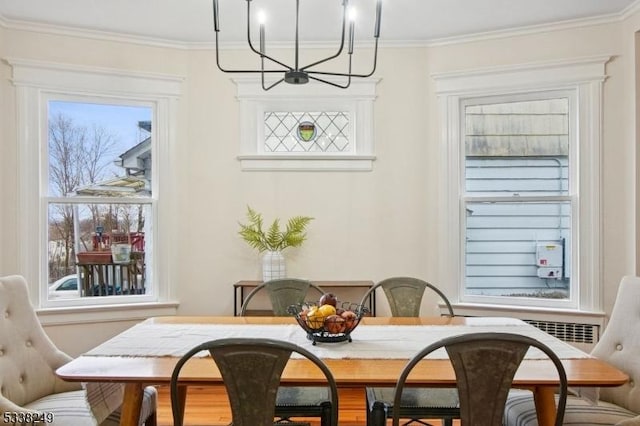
271 86
265 88
257 52
348 75
338 74
275 61
239 71
331 82
217 30
345 4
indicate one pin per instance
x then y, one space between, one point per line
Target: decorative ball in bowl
325 321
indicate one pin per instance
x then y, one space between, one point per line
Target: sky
120 120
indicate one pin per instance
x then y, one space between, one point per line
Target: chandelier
296 74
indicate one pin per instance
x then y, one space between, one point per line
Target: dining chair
293 401
251 369
404 295
484 366
282 293
28 361
619 346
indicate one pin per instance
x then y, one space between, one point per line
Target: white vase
273 266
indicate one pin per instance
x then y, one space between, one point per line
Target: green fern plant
273 238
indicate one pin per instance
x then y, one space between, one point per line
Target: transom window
321 131
306 128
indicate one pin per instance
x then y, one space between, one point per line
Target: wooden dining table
138 371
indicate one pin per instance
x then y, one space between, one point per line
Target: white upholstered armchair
28 360
619 345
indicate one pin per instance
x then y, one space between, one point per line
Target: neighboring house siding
502 238
517 128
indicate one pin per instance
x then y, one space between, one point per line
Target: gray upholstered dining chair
282 293
484 365
404 295
293 401
251 369
28 360
619 346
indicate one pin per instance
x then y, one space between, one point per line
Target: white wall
368 225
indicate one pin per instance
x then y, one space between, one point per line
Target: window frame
582 76
37 83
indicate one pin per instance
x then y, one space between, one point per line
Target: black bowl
317 328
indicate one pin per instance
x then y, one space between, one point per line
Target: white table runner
369 341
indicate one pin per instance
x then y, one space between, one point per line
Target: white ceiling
190 21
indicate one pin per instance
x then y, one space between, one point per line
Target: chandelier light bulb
352 14
262 17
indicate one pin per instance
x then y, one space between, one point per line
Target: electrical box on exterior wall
549 259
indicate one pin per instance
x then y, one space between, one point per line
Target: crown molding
185 45
61 30
630 10
529 30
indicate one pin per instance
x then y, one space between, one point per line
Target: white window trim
35 83
583 75
358 99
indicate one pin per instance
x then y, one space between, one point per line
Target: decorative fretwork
321 132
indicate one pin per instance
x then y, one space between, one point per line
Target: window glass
99 198
517 198
324 132
518 249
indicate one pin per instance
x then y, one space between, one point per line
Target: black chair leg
377 415
447 422
325 416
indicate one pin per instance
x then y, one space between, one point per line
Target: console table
242 288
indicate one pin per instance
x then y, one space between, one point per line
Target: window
312 132
99 151
516 195
310 127
522 170
90 184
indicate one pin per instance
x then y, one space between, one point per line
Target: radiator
582 336
581 330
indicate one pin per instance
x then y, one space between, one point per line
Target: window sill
302 163
103 313
531 313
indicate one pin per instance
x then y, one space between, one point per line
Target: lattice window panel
331 135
